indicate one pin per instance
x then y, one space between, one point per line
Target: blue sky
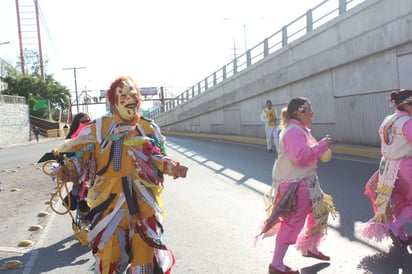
159 43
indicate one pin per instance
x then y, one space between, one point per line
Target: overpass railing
312 19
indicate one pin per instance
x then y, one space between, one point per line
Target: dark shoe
73 201
319 256
407 242
395 240
273 270
83 206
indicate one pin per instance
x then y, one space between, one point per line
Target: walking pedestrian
299 208
123 155
36 132
392 183
269 117
80 120
80 188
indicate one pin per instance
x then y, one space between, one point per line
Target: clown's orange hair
111 93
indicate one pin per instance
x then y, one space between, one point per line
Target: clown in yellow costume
123 155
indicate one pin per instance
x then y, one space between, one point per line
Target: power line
47 31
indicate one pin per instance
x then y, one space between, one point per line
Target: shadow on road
50 258
313 269
397 260
344 177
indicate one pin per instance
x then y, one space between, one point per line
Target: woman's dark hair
295 105
78 119
401 97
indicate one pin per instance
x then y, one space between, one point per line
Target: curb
362 151
32 142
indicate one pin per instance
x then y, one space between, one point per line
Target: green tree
34 89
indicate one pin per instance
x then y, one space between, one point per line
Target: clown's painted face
126 101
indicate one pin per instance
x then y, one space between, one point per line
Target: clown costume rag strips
123 155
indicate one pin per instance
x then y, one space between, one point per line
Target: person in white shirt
269 117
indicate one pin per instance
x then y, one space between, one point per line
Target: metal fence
12 99
311 20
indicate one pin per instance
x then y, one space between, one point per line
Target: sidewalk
33 141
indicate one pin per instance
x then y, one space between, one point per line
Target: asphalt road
211 215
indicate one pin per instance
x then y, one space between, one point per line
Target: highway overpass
346 56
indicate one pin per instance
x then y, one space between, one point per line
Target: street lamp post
244 35
244 28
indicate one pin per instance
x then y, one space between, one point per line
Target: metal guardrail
12 99
311 20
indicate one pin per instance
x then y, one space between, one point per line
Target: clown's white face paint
126 101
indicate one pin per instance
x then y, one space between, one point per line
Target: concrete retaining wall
14 123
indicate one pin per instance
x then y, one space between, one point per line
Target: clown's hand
180 170
68 173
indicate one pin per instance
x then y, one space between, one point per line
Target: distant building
5 69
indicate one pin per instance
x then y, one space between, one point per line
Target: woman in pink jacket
393 182
300 209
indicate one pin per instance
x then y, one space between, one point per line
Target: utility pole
162 99
234 48
75 85
36 4
244 35
28 24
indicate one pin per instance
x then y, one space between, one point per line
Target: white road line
35 253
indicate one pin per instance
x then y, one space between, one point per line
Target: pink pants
402 193
290 228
